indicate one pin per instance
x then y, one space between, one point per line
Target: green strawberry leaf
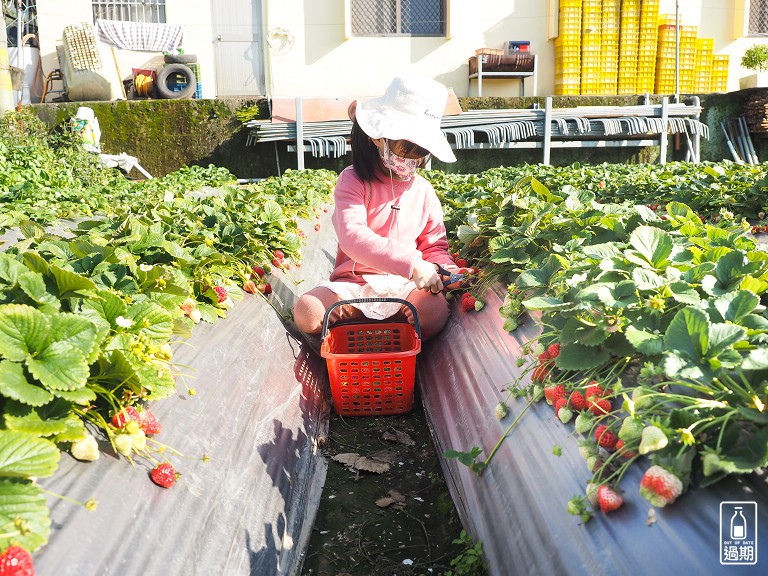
77 331
23 331
688 333
735 306
683 292
23 503
59 366
71 284
645 342
11 269
33 285
35 262
23 455
579 357
152 320
14 384
30 229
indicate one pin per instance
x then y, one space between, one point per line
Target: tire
170 72
180 58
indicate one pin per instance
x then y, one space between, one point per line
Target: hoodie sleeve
433 241
357 240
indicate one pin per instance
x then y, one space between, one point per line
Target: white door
238 47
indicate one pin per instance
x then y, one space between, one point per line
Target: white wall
194 15
319 61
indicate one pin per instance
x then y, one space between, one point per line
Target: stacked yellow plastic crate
629 40
666 56
568 48
591 21
719 73
609 52
646 57
703 75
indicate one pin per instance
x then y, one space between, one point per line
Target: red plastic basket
372 365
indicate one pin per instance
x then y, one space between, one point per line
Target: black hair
365 154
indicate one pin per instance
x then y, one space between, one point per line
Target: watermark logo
738 533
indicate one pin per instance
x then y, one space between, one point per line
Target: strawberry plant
655 313
87 316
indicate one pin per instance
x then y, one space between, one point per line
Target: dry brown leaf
405 439
369 465
398 436
347 458
385 455
385 501
389 436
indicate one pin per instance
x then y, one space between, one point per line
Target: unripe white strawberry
565 414
501 411
123 444
139 440
479 305
86 448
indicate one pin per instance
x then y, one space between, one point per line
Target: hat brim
379 121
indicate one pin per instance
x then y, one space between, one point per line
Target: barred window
398 17
148 11
758 17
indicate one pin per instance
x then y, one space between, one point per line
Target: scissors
456 277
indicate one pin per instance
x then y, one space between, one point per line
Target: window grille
758 18
398 17
148 11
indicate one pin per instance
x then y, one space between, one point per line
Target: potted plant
755 58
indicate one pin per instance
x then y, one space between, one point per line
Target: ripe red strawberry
278 254
594 390
605 437
544 356
317 227
660 486
600 406
608 499
461 263
221 292
540 373
553 393
554 350
164 475
558 403
577 401
149 423
623 452
16 561
127 414
467 302
265 289
250 286
258 271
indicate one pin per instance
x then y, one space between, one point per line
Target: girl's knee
308 314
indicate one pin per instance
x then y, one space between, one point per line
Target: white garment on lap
377 286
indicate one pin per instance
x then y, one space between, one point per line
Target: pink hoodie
374 238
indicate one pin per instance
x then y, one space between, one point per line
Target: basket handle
327 315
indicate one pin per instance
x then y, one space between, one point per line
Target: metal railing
758 18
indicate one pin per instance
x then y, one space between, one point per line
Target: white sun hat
411 110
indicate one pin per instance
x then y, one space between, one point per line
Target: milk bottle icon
738 525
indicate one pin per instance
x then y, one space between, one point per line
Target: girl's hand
425 277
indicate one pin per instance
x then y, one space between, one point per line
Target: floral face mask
404 168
